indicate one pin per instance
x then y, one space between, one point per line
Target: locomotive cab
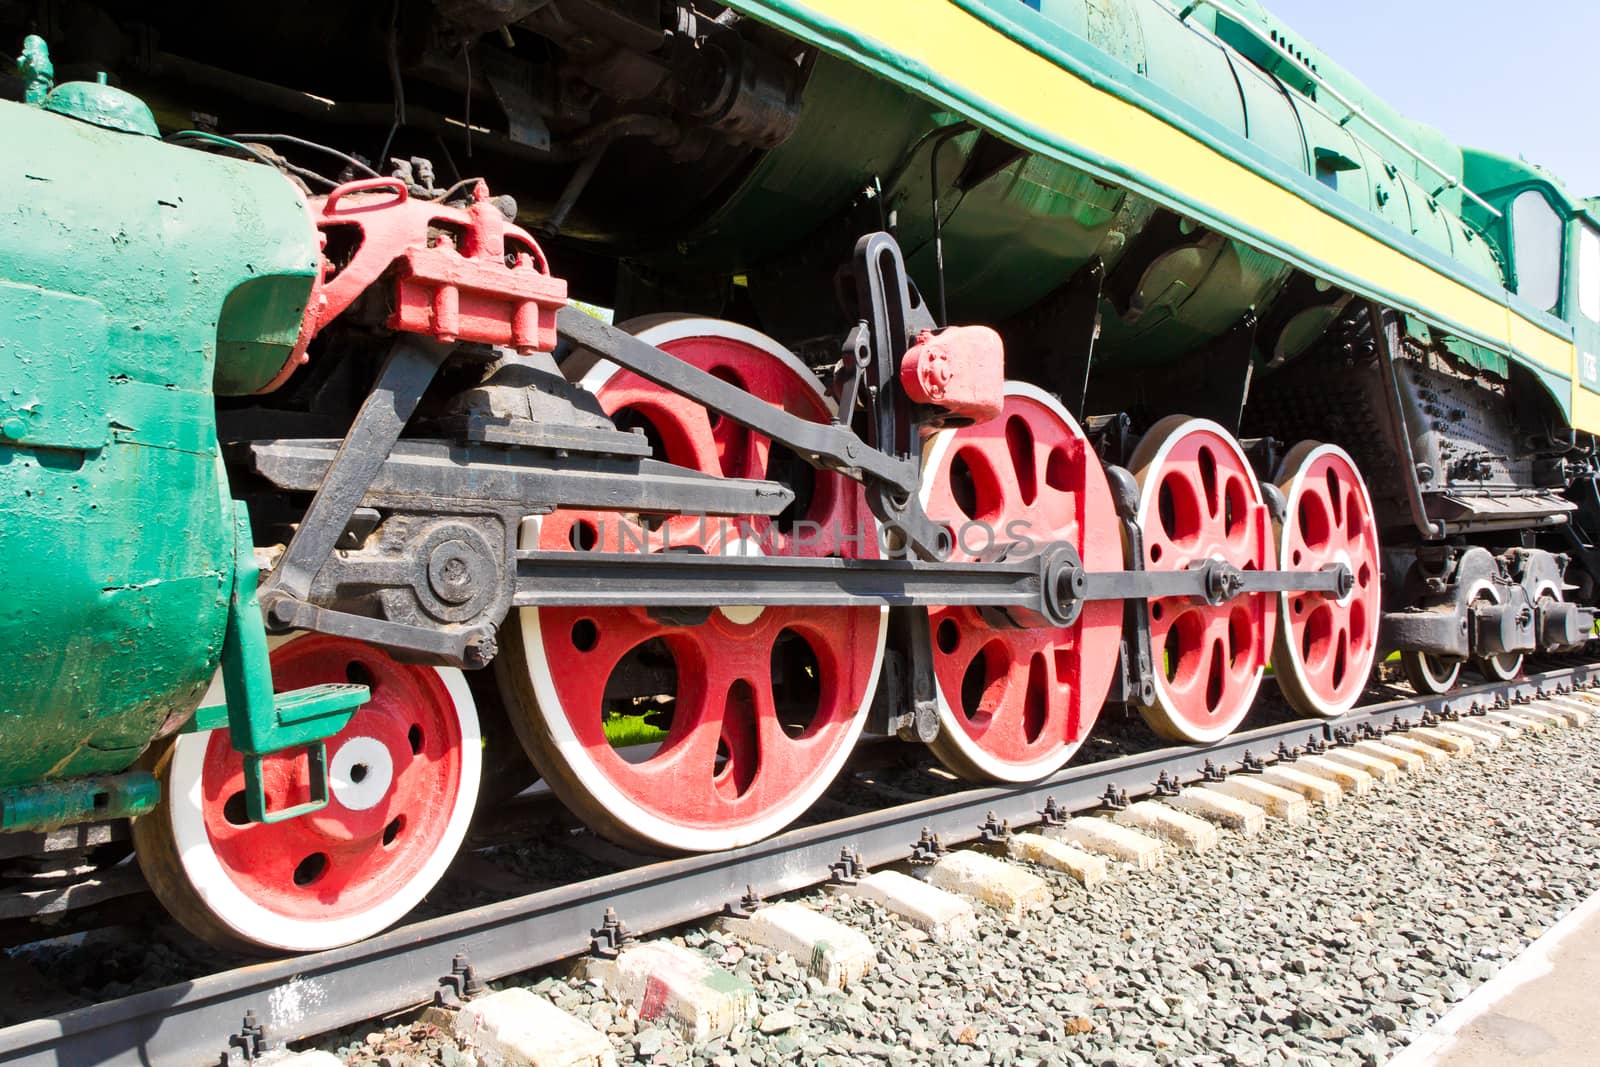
1550 243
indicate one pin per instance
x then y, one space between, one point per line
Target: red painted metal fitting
960 368
460 273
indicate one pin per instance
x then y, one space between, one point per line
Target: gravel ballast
1327 943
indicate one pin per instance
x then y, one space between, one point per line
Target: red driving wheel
403 779
1199 500
742 718
1016 702
1326 645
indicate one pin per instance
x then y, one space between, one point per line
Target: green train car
653 398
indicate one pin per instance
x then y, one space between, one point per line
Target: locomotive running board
425 475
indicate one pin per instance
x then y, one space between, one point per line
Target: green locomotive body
139 279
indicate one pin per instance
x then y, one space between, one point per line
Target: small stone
777 1022
649 1042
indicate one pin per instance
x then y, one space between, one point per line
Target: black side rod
889 465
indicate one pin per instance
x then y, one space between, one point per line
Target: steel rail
299 997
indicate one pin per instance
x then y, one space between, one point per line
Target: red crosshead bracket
459 273
960 369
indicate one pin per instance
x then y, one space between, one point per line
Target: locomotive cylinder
137 275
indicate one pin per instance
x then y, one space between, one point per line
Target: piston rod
1050 584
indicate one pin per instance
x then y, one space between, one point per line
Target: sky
1519 77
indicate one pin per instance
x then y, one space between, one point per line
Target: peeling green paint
121 260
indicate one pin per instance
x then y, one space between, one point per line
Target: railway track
239 1014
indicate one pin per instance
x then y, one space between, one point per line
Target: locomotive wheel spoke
1015 704
1326 645
403 779
1199 500
674 734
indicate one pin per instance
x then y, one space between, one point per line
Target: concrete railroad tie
1538 714
516 1028
1222 809
1426 752
942 916
1177 828
835 954
1453 745
1314 789
1406 762
1009 889
1506 727
1379 769
1485 735
1276 801
1515 720
1573 712
1348 777
678 988
1109 839
1086 867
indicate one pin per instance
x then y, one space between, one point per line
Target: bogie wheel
1326 645
1428 674
1015 703
683 733
1501 668
1505 666
1199 500
403 775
